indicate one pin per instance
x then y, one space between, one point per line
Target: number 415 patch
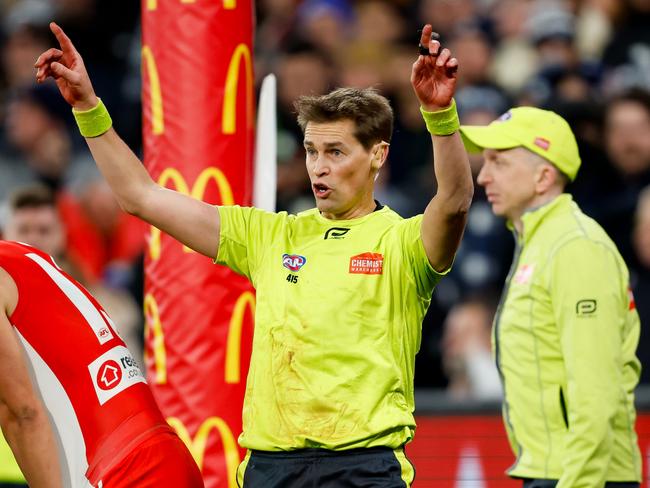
292 278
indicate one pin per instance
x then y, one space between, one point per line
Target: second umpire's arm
589 304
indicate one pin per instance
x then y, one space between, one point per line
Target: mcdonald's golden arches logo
198 444
233 345
172 175
240 54
153 325
155 92
228 118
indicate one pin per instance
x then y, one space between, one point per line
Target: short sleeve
243 234
414 257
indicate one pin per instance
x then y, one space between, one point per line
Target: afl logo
109 375
293 262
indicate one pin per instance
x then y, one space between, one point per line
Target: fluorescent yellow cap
541 131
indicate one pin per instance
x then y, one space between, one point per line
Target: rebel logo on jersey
293 262
370 263
109 375
113 372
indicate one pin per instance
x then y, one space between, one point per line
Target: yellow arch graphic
232 81
225 192
233 345
173 175
198 444
157 112
198 191
153 324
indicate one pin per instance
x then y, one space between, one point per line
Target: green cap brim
479 137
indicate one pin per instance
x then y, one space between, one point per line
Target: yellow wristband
442 122
93 122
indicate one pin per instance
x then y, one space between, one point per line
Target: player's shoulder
8 292
13 251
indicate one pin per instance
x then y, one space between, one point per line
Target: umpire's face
510 180
341 170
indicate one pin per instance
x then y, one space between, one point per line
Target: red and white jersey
100 405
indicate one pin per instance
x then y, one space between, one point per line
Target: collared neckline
379 209
532 218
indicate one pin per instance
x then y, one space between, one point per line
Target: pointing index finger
429 44
64 40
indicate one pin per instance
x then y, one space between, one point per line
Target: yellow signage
155 92
198 444
228 121
153 325
172 175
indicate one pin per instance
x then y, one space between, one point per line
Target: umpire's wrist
442 122
86 104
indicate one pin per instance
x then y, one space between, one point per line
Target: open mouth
321 190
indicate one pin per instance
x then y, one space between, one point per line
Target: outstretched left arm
433 78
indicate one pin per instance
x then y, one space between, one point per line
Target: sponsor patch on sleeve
113 372
524 273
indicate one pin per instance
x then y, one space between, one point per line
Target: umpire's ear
379 154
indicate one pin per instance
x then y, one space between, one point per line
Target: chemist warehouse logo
113 372
368 263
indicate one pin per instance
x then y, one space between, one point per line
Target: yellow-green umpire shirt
337 325
565 337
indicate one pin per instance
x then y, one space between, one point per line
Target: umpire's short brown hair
370 111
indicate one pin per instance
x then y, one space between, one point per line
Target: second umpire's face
510 181
341 170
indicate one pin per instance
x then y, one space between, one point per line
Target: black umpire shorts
373 467
553 483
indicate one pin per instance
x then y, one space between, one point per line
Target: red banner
198 136
473 451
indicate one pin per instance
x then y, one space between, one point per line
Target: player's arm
589 311
23 418
433 78
191 221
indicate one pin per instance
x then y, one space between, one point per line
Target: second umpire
566 331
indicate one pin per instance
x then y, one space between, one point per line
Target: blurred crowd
588 60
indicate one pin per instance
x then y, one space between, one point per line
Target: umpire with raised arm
341 289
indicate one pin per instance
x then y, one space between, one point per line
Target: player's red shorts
161 461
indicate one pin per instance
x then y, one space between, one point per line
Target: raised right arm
23 417
193 222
